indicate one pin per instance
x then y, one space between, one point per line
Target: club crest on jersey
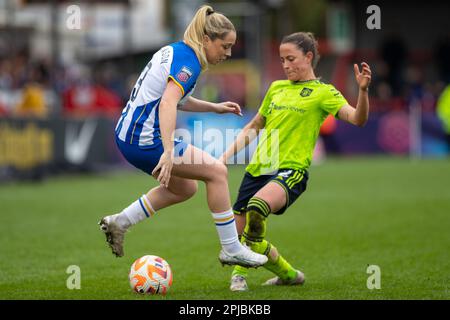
306 92
184 75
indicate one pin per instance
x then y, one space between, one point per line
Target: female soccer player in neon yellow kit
291 114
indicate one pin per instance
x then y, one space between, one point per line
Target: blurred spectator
33 97
78 100
443 59
327 131
6 80
414 79
383 100
107 102
380 74
418 90
83 98
109 78
429 99
393 52
32 102
3 110
443 111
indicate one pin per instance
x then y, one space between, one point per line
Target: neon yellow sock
280 266
240 271
254 234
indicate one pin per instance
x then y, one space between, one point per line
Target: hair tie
210 12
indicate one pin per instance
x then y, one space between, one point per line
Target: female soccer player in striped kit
295 109
145 136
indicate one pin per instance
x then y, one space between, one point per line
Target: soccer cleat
245 258
298 280
114 234
238 283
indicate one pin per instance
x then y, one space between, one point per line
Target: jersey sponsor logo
274 106
184 75
306 92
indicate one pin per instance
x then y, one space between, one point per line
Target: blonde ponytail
206 22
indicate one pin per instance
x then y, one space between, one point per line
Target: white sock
135 212
226 227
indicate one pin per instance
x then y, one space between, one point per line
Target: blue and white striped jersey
139 122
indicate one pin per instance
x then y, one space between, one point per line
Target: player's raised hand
363 77
228 107
164 167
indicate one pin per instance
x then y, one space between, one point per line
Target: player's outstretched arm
197 105
247 135
358 116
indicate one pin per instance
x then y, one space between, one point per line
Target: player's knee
190 189
220 171
183 191
223 170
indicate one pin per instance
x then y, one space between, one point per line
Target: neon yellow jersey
443 109
294 113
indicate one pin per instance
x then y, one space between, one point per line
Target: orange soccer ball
150 275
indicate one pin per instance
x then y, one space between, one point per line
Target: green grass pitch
389 212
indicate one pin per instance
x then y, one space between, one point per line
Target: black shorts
292 181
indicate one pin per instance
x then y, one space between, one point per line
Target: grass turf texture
356 212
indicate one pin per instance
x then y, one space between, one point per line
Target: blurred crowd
35 88
402 77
